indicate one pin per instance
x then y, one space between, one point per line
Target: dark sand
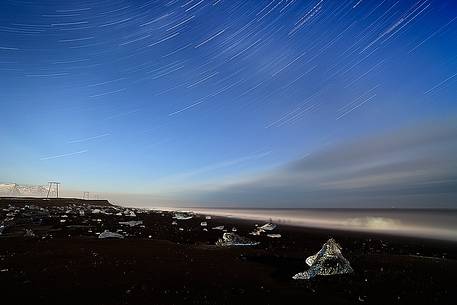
65 263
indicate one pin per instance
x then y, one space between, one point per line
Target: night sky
234 103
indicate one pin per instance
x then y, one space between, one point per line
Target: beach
165 259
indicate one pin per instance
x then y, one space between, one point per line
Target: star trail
116 95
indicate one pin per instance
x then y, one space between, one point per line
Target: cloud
408 167
183 176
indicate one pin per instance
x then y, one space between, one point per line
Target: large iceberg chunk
328 261
232 239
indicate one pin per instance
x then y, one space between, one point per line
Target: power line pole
56 184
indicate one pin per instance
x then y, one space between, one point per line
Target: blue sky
168 97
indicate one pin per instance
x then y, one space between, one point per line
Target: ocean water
422 223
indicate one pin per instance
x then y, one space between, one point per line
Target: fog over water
421 223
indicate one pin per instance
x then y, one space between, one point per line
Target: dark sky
265 103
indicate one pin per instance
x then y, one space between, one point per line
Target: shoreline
363 223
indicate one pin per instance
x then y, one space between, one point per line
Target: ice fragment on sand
257 232
274 235
268 227
328 261
207 217
231 239
108 234
264 228
218 228
131 223
29 233
182 215
203 224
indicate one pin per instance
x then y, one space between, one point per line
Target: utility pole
56 184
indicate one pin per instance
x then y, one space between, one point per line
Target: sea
438 224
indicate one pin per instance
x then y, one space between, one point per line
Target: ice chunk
328 261
108 234
231 239
268 227
174 223
257 232
182 215
263 229
207 217
203 224
218 228
131 223
96 211
29 233
274 235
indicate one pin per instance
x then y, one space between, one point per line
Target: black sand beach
62 261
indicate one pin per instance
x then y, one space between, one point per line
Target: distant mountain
25 190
